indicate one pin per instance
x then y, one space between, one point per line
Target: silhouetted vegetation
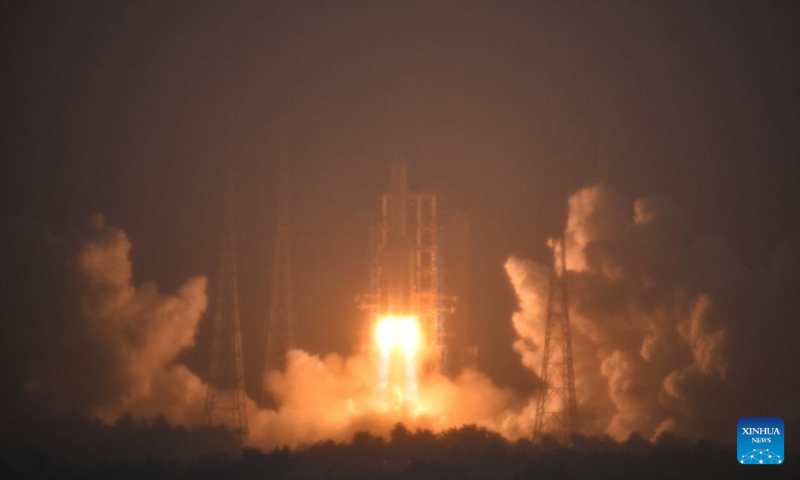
153 450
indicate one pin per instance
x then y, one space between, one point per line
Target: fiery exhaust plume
398 341
392 333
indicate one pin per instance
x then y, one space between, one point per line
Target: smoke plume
332 397
668 333
105 346
142 329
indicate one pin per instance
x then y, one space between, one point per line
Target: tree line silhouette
130 448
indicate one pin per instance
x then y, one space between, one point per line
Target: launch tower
225 397
556 408
281 321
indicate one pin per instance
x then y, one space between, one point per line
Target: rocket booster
398 251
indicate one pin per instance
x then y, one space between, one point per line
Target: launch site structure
281 321
406 273
225 397
556 407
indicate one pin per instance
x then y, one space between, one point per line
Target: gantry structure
225 397
556 406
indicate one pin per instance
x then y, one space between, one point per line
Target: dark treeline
78 444
136 449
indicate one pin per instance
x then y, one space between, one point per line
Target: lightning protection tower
281 321
556 408
225 398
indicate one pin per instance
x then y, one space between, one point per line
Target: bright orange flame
398 332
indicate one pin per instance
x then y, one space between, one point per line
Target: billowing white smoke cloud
596 214
333 397
119 356
139 331
662 337
663 329
530 281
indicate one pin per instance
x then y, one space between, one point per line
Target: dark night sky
132 108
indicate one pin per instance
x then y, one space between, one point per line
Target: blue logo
760 441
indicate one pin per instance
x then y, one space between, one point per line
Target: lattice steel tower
225 398
556 408
281 321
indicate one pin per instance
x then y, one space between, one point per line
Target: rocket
398 251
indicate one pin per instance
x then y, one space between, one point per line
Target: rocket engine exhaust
398 341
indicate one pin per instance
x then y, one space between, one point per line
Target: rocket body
398 251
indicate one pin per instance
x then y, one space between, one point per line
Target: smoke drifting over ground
106 346
669 333
115 347
662 332
334 397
